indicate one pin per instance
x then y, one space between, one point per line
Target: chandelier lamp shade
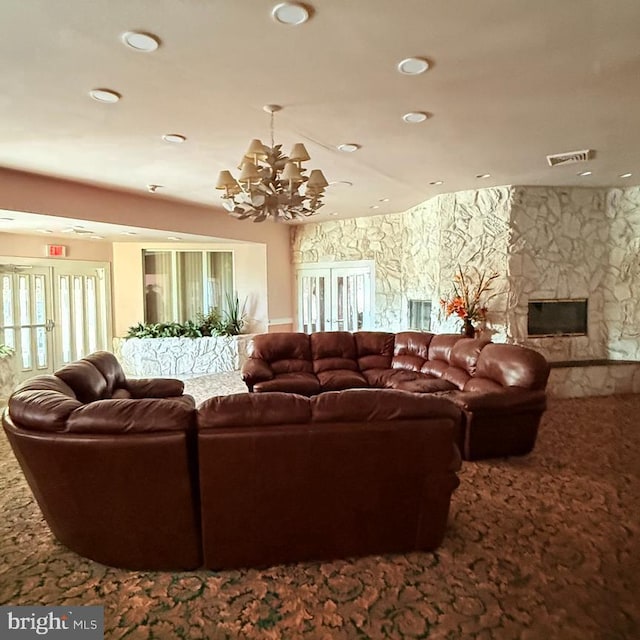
271 184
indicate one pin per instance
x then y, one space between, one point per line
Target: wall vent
570 157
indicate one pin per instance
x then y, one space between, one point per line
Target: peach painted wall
21 191
27 246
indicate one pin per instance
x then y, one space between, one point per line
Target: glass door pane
25 314
335 298
314 303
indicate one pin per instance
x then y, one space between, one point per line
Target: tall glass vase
468 329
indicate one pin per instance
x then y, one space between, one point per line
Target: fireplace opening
557 318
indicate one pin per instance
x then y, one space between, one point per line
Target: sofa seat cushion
305 384
423 384
339 379
387 378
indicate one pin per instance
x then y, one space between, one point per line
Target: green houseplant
229 322
6 351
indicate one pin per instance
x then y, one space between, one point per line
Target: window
420 315
181 284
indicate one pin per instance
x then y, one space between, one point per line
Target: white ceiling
510 82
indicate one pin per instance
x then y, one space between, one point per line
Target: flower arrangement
465 300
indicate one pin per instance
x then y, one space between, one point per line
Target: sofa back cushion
465 353
376 405
331 350
374 349
411 349
129 416
107 364
512 366
85 380
285 352
253 409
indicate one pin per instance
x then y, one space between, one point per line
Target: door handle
49 325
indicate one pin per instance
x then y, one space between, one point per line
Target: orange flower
465 300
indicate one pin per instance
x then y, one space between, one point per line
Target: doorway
335 297
53 314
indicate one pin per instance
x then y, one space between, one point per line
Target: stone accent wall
416 253
466 229
377 238
622 280
559 250
545 242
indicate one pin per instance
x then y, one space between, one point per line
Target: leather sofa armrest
508 399
155 387
256 370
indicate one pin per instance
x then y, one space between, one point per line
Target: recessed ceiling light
290 13
383 200
129 233
415 117
173 238
45 231
333 213
622 175
584 174
96 237
482 176
141 41
437 182
413 66
348 147
175 138
340 183
374 206
8 219
105 95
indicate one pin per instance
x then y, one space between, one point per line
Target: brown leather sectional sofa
500 388
129 473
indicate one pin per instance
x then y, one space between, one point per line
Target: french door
335 298
52 315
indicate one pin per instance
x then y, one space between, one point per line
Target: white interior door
27 318
314 300
52 315
82 311
338 297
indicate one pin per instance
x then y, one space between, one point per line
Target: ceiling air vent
570 157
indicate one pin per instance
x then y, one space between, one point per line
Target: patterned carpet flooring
542 547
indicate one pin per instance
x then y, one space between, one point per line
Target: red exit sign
56 250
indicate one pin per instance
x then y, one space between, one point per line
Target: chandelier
272 184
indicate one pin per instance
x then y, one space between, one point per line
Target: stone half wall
183 357
545 242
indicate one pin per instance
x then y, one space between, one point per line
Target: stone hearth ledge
582 378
